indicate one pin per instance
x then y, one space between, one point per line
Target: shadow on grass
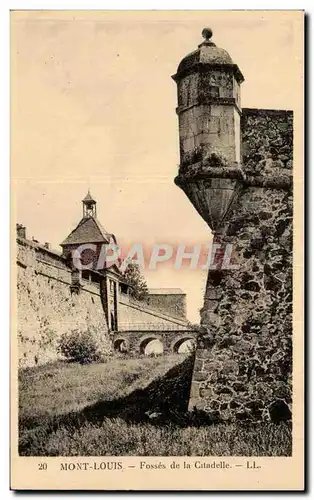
163 402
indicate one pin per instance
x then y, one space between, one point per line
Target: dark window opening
213 91
124 288
112 322
95 278
85 275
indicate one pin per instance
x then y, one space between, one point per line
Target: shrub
81 347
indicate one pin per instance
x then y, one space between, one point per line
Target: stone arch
121 344
144 341
178 341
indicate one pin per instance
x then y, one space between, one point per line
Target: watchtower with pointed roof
89 238
89 230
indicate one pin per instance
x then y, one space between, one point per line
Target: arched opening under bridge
183 344
151 345
121 345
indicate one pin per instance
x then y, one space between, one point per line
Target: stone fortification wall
134 314
46 306
243 367
171 303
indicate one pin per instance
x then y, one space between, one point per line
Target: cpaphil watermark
201 256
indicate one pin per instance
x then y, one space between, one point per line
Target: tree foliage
133 277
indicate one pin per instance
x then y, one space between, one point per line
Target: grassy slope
61 388
102 410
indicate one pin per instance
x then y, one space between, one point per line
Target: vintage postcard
157 250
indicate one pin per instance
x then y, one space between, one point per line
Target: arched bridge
136 341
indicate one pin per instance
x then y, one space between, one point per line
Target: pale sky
93 107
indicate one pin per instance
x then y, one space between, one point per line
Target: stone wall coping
276 178
153 312
38 246
203 170
267 112
156 332
284 181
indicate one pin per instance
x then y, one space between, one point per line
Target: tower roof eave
198 67
88 230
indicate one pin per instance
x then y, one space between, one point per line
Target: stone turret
236 169
209 127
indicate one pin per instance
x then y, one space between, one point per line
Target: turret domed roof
207 53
